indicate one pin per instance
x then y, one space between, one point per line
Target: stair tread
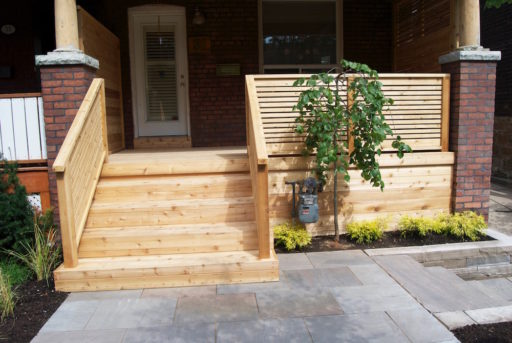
163 261
170 180
166 204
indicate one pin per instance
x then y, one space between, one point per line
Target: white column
469 21
66 24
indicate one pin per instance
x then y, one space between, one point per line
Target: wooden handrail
258 162
78 167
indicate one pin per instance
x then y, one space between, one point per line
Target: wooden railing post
262 211
104 120
445 113
67 223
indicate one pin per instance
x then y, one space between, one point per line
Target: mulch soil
390 239
35 304
489 333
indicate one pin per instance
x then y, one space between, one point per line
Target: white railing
22 135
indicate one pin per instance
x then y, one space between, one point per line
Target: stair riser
177 215
169 244
170 191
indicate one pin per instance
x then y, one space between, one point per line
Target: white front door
159 70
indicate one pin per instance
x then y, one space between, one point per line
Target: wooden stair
162 222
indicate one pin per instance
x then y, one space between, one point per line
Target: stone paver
372 275
297 303
97 336
455 319
71 315
419 326
373 298
368 327
103 295
255 287
179 292
339 258
197 333
291 330
132 313
294 261
491 315
500 289
227 307
319 278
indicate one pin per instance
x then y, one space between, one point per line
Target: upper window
298 36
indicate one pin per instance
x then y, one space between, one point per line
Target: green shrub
16 273
291 236
7 296
417 226
15 210
464 225
367 231
43 255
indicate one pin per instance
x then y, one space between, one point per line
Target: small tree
325 116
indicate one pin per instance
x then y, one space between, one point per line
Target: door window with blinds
299 36
159 70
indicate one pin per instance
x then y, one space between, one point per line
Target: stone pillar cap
68 56
472 54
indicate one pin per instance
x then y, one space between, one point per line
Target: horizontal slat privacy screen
160 62
22 135
416 114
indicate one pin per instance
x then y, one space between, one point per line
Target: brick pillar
65 78
473 79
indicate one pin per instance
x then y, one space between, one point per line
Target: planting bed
35 304
489 333
391 239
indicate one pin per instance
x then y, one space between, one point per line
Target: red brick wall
473 86
496 28
63 89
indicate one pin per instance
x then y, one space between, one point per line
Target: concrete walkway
343 296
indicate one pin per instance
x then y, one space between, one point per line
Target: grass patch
15 272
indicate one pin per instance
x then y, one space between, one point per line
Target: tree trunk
336 227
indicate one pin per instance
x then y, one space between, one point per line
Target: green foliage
291 236
15 210
465 225
7 296
496 3
43 255
16 273
324 115
367 231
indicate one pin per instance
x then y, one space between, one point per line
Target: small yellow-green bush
6 296
465 225
291 236
367 231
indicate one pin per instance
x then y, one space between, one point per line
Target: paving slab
436 288
299 303
342 258
356 328
454 320
71 315
491 315
372 275
500 289
294 261
255 287
177 292
132 313
103 295
290 330
373 298
219 308
99 336
321 278
197 333
414 322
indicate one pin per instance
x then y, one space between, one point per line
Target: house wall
496 29
33 35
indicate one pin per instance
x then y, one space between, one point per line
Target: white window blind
160 67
